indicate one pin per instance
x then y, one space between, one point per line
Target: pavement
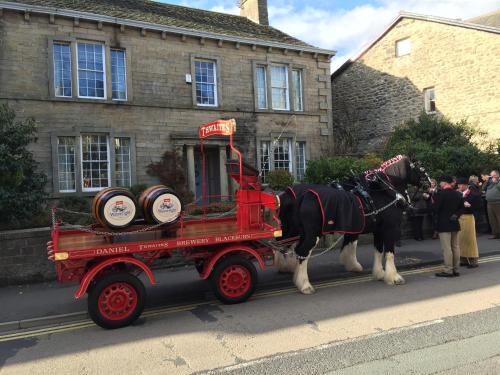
33 305
352 325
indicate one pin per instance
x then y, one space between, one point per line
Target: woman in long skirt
469 252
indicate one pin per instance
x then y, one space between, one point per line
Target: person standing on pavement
448 206
486 182
477 210
433 191
469 253
493 201
419 198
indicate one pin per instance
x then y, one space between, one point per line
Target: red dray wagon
224 249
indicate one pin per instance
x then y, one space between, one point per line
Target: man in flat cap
448 206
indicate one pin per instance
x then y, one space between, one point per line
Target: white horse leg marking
348 258
392 277
300 276
378 270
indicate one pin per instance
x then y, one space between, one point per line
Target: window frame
108 152
77 133
125 57
104 70
75 151
293 140
53 76
291 66
217 77
397 48
428 101
286 88
266 94
300 91
109 44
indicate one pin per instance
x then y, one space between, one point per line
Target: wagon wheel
234 279
116 300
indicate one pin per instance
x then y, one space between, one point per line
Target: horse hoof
308 290
397 280
355 268
378 275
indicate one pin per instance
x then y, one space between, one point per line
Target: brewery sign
220 127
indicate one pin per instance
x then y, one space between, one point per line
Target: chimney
255 10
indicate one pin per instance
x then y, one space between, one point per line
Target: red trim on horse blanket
342 211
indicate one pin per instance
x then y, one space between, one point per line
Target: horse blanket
342 211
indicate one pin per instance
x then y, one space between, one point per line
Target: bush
279 179
443 147
137 190
327 169
77 204
211 208
22 195
170 171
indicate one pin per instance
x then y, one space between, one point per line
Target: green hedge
327 169
444 147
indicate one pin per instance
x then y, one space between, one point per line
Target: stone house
439 65
114 84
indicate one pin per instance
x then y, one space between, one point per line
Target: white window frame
298 162
104 66
427 100
59 166
298 90
216 99
129 161
403 47
70 68
287 88
84 189
111 70
264 68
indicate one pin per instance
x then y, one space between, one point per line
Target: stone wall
160 102
380 91
23 256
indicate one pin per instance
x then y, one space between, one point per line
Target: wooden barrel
160 205
114 208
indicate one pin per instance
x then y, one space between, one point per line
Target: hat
447 179
462 181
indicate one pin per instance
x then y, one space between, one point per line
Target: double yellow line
175 309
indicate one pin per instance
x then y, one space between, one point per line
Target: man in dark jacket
448 206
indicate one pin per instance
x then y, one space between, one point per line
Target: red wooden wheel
116 300
234 279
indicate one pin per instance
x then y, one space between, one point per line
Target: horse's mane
393 167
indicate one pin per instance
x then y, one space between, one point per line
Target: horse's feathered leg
310 221
391 277
378 270
348 254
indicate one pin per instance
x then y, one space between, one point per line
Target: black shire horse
374 204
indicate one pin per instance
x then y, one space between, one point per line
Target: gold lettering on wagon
235 237
112 250
153 246
198 241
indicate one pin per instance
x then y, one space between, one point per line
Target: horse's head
418 176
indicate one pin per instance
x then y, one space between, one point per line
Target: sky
346 26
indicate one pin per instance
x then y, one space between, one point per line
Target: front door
212 174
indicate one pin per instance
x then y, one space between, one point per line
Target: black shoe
444 274
456 274
472 265
464 264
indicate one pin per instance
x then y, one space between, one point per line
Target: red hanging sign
219 127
